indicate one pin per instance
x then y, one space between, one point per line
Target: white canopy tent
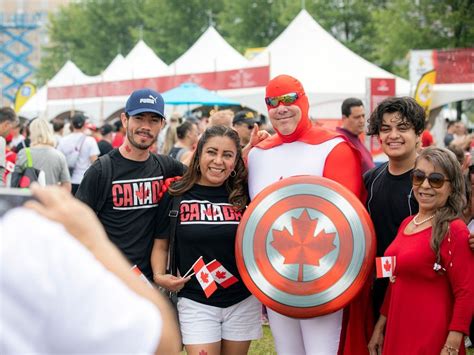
329 71
209 53
145 63
69 74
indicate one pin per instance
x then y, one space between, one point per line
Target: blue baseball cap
145 100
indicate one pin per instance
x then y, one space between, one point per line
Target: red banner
223 80
378 89
454 65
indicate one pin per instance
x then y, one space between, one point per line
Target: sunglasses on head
286 99
436 180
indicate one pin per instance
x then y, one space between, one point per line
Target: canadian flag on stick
138 272
204 277
385 266
220 274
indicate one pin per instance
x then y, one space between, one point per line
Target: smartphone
470 226
13 197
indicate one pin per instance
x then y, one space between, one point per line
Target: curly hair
446 161
409 110
236 185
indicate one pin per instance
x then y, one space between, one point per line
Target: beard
137 144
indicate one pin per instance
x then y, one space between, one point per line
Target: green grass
263 346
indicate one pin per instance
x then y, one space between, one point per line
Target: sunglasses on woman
436 180
286 99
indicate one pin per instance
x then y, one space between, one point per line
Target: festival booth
97 96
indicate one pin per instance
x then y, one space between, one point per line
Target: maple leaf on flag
303 248
220 274
205 277
387 266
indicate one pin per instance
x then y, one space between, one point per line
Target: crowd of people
168 197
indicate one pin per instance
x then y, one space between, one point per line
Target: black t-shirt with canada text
129 211
207 225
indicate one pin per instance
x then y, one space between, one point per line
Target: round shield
305 246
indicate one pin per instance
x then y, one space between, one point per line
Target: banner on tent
221 80
452 65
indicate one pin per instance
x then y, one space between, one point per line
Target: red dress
422 306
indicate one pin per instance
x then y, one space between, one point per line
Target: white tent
69 74
118 69
145 63
209 53
329 71
446 93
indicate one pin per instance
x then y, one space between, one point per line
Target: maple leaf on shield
303 248
220 274
205 277
387 266
203 352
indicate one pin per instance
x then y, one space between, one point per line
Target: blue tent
193 94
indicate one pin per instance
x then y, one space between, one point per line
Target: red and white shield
305 246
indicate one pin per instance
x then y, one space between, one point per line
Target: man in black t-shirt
398 123
129 211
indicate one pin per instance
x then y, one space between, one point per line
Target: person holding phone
65 288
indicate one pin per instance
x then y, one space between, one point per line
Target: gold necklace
416 223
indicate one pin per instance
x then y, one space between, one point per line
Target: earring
198 167
233 173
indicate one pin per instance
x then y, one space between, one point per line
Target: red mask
284 84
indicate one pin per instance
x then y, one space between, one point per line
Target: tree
403 25
254 23
91 33
178 25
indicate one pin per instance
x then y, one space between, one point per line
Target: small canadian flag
385 266
220 274
204 277
138 272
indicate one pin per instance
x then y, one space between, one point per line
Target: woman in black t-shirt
216 311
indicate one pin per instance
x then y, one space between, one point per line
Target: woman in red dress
429 303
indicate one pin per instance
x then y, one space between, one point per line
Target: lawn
265 346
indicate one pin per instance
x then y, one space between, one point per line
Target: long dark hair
236 184
446 161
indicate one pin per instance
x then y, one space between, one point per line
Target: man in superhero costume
300 148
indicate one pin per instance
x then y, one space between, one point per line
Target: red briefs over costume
309 150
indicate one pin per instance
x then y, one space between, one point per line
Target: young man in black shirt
398 122
135 189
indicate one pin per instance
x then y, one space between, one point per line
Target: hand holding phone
470 226
13 197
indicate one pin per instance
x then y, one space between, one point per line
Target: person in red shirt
429 304
427 139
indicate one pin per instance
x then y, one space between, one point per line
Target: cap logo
149 100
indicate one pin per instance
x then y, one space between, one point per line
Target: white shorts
203 324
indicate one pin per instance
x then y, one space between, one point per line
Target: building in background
23 32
